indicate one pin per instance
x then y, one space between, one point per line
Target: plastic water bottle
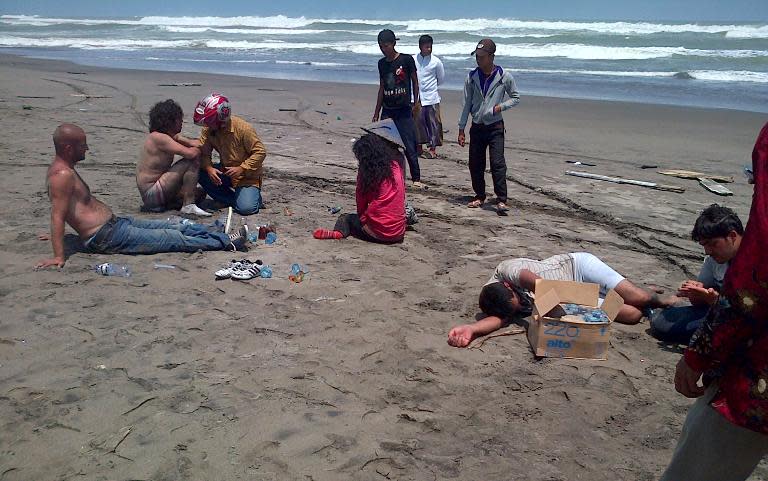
175 219
271 238
266 272
109 269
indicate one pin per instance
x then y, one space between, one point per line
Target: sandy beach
171 375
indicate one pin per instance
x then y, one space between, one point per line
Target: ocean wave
706 75
612 28
276 21
316 64
94 43
522 50
468 25
571 51
244 31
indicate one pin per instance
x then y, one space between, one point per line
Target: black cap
387 36
485 46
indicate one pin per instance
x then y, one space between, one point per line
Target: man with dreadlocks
380 191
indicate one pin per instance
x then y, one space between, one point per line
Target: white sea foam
571 51
244 31
730 76
468 25
94 43
318 64
705 75
277 21
523 50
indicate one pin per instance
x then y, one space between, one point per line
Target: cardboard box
552 333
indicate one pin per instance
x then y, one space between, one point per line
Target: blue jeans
245 200
125 235
403 118
677 324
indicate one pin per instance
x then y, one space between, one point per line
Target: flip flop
502 207
475 204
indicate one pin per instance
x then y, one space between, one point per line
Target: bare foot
665 301
461 336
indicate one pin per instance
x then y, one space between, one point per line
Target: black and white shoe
239 240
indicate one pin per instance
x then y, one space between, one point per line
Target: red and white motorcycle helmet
213 110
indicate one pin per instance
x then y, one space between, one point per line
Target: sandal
475 203
502 208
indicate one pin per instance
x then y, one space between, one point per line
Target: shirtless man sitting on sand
162 183
103 232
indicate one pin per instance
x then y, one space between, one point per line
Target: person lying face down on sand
162 183
509 291
102 232
380 190
719 231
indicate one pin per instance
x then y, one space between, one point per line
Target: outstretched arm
461 336
60 190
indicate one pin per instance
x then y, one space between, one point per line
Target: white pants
588 268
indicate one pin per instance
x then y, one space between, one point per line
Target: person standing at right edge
398 81
484 91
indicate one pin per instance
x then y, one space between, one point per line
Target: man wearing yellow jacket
236 181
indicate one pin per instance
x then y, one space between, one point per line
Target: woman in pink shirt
380 191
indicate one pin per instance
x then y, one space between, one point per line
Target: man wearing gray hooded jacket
484 92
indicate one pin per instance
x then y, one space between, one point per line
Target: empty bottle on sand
109 269
181 220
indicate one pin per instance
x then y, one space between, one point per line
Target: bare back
154 161
82 211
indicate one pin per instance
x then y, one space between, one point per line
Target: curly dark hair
716 221
374 156
164 115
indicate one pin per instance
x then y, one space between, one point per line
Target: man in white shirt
431 74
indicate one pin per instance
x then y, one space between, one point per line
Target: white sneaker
234 265
246 272
193 209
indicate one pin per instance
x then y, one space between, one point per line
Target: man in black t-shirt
398 81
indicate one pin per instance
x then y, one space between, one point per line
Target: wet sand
170 374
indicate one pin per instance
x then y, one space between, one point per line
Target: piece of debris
713 186
286 110
578 162
690 174
34 97
321 112
619 180
181 84
86 96
649 166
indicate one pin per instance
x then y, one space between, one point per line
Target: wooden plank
714 187
690 174
619 180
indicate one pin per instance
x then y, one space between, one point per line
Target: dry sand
171 375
